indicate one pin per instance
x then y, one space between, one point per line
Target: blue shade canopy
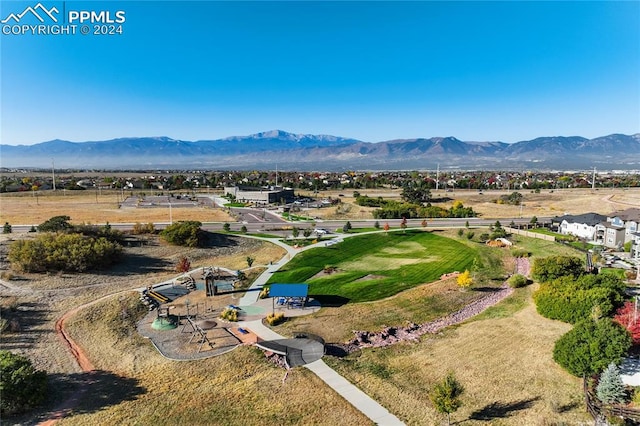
288 290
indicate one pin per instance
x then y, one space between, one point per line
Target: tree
416 192
534 221
590 346
55 224
250 261
347 227
446 396
295 232
183 264
226 227
21 385
627 317
306 232
466 224
551 267
610 388
6 229
465 280
184 233
376 225
243 229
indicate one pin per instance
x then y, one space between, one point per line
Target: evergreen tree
610 388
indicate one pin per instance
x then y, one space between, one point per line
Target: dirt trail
83 362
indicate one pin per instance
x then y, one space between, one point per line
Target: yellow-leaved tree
465 280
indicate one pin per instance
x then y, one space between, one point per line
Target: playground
184 320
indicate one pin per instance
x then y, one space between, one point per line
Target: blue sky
373 71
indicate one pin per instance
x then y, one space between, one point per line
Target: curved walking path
360 400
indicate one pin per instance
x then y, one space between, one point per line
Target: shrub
140 228
184 233
571 300
517 281
470 235
22 386
460 232
520 253
548 268
6 229
484 237
55 224
275 318
264 293
464 280
590 346
636 396
626 317
243 229
229 314
63 252
184 265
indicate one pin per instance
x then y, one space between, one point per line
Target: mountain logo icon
39 11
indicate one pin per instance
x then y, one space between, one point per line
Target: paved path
360 400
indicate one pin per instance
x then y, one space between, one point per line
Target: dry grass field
546 203
505 365
91 207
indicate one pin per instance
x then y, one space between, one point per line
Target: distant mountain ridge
325 152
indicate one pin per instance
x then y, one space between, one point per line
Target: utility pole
438 177
53 174
593 180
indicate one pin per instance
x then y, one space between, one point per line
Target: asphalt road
257 221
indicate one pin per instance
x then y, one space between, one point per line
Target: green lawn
375 266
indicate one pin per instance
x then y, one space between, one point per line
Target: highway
265 221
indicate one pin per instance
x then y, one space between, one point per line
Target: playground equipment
197 333
187 281
211 275
164 320
149 301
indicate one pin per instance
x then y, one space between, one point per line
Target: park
367 282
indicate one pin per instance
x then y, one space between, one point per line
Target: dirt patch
370 277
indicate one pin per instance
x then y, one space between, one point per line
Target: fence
530 234
597 409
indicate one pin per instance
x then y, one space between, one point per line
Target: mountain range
288 151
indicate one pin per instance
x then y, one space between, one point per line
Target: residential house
628 219
610 235
582 225
635 247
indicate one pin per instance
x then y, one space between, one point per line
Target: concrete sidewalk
360 400
354 396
